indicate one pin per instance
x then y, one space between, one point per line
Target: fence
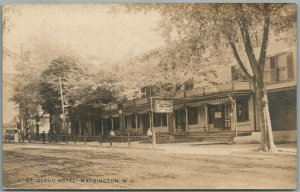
106 139
100 139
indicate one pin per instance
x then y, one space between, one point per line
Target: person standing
43 137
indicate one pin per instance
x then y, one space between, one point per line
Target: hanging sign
161 106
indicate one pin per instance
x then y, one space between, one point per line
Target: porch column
234 116
206 117
186 120
167 120
150 121
79 127
174 123
112 123
136 124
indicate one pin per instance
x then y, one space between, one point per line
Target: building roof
275 48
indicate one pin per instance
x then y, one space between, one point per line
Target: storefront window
192 116
160 119
242 110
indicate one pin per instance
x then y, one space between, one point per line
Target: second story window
237 74
279 68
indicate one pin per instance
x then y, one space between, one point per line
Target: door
216 117
227 117
180 122
146 122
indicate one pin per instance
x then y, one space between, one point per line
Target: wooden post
174 121
110 140
235 119
112 123
206 117
136 123
152 126
186 120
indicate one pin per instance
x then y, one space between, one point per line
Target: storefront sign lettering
163 106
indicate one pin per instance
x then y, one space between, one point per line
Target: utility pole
233 104
152 126
63 109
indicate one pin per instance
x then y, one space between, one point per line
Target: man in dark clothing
43 137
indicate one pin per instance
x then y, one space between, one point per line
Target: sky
90 31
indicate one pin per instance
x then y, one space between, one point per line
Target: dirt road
37 166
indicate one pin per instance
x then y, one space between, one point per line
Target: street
171 166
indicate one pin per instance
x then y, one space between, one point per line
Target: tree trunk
267 142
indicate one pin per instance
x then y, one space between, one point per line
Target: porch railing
229 86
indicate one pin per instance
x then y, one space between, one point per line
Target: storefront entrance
146 122
219 117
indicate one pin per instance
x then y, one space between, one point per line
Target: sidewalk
181 148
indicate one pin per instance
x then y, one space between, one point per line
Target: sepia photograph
177 96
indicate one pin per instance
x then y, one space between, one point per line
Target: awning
195 104
105 116
115 115
128 113
218 101
144 111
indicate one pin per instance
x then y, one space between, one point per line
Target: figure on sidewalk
149 134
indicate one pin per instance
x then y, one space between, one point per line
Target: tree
79 87
230 27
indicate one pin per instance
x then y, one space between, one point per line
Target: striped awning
195 104
218 101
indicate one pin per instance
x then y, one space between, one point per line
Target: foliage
79 87
172 66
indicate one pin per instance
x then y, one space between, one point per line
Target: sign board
161 106
218 115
